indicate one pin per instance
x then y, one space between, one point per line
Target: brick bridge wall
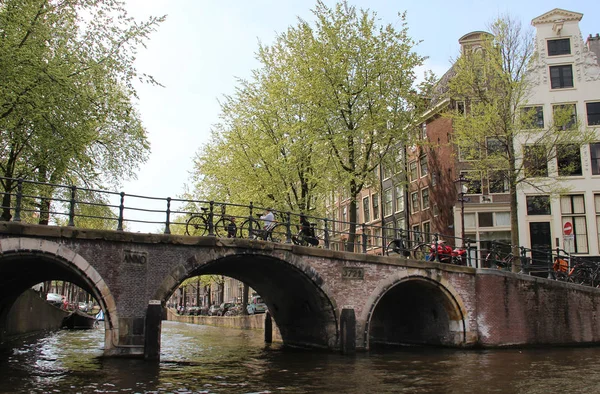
306 289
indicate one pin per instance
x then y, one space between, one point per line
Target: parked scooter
443 253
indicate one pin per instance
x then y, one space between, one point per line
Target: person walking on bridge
268 219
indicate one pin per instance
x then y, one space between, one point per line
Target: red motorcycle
445 254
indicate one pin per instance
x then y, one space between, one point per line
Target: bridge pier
348 331
152 330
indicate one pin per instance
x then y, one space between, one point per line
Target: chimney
593 44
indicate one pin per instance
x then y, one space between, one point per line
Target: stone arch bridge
318 298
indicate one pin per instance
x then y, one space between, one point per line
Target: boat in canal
78 320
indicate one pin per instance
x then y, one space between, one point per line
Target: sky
202 49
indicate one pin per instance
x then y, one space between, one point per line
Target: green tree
331 99
500 134
66 94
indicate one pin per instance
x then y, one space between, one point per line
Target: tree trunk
514 222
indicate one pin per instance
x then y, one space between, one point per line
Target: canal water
203 359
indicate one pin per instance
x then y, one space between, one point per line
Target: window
387 171
427 231
595 157
366 209
468 152
597 205
593 113
535 161
425 198
474 181
561 77
460 107
375 199
412 170
486 219
414 199
538 205
387 202
565 116
415 234
532 117
573 211
389 231
399 199
424 130
494 146
568 158
345 216
502 218
470 220
498 181
424 168
561 46
400 223
434 178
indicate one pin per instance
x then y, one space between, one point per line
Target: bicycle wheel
225 228
196 226
244 230
278 233
394 248
421 251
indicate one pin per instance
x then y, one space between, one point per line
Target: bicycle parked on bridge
252 228
400 247
198 224
496 258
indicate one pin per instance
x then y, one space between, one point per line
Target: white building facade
566 75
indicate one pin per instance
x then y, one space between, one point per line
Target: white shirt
268 219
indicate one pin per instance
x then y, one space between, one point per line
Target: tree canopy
67 111
330 100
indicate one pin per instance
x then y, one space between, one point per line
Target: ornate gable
557 15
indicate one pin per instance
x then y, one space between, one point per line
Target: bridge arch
28 261
298 298
414 307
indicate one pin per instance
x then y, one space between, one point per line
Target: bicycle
494 257
198 224
398 246
252 228
306 235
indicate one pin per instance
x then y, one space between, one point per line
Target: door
540 240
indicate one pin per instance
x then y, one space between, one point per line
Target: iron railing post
211 216
250 220
325 234
288 232
364 238
121 209
17 217
168 218
72 207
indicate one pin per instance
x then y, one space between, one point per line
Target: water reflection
200 359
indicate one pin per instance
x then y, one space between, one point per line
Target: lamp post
462 190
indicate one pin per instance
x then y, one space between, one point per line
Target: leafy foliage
330 100
66 92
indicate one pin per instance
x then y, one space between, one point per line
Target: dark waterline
202 359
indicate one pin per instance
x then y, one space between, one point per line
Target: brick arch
198 263
457 312
62 255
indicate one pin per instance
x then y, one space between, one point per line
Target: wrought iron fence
74 206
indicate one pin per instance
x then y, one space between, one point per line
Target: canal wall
516 310
31 313
250 322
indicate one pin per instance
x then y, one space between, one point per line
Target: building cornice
556 15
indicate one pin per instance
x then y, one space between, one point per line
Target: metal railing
69 205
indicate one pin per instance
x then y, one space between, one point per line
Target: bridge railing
69 205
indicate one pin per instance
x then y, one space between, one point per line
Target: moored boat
79 320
